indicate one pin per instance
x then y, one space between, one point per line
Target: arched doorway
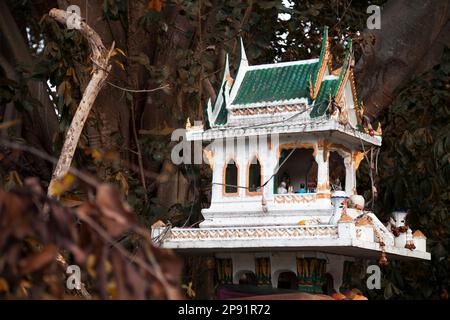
247 277
287 280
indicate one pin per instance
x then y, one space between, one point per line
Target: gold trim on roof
313 92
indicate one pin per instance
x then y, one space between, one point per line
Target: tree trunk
14 49
411 40
108 127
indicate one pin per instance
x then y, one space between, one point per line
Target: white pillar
323 184
217 176
350 175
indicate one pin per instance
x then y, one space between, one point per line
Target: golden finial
229 80
361 109
188 124
379 131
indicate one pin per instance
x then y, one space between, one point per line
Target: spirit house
286 140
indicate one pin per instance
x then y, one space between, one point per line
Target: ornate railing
252 232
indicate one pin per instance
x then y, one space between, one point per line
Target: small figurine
282 188
336 185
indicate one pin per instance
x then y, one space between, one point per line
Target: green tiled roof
222 117
323 98
276 83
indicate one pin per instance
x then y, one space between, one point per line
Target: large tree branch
412 37
101 68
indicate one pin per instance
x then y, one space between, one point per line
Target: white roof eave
307 127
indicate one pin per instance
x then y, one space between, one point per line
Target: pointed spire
226 70
213 111
209 110
243 55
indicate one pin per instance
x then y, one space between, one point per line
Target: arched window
254 179
337 171
231 177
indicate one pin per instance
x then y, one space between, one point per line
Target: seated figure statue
282 188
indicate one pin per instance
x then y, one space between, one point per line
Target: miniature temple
286 140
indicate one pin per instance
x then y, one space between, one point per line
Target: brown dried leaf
38 260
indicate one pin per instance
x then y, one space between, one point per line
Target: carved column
321 157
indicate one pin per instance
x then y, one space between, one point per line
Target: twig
139 152
138 90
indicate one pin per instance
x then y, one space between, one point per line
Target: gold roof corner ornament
379 131
158 224
229 80
198 125
188 124
209 154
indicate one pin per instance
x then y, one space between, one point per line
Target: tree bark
411 40
44 119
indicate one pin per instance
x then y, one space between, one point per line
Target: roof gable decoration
346 79
344 74
219 114
316 78
216 113
240 74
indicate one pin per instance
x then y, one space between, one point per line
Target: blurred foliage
115 256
